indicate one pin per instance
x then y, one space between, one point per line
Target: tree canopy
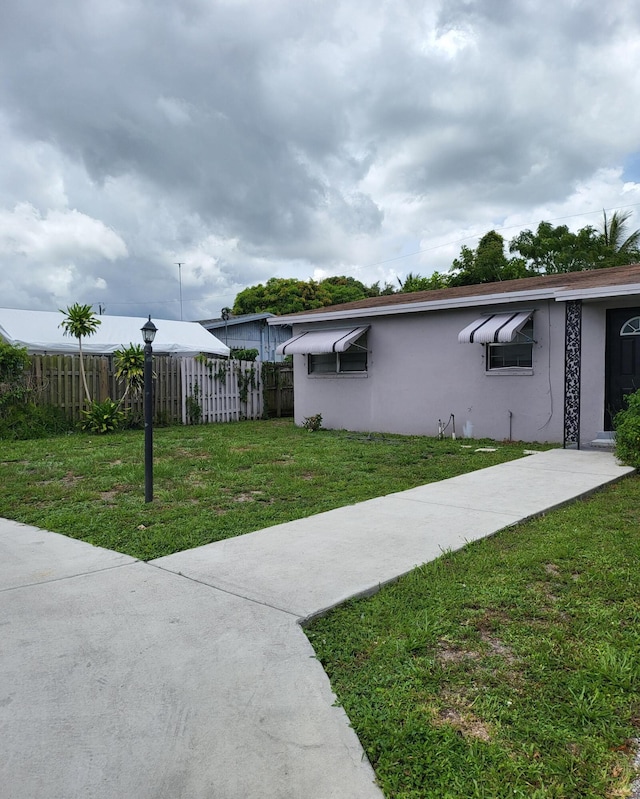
486 264
281 295
547 250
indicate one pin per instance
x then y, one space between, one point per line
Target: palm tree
129 367
80 321
613 236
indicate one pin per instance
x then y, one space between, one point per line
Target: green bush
240 354
627 427
102 417
25 421
312 423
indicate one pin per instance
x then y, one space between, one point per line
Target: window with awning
321 342
497 328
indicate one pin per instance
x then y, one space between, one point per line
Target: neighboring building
548 358
251 332
40 332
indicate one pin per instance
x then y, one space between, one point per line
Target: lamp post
148 334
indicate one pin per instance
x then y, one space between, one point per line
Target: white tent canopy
40 332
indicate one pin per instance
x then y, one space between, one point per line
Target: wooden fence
220 390
278 389
224 390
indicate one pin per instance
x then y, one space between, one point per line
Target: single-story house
546 358
251 332
41 333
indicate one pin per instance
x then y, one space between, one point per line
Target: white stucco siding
418 373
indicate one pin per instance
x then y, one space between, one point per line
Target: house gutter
601 292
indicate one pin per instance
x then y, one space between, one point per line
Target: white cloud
57 235
249 139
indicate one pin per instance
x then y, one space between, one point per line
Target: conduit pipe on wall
443 427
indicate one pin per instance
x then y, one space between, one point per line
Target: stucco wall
419 373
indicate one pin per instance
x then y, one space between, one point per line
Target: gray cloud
253 139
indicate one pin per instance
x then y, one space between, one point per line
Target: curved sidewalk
189 676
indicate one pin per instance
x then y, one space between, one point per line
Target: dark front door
623 359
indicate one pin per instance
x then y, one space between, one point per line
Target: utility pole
180 265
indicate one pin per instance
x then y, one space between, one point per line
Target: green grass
214 481
508 669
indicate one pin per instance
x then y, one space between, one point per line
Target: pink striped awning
497 328
318 342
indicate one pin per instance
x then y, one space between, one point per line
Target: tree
619 248
553 250
288 295
344 289
129 368
80 322
418 283
486 264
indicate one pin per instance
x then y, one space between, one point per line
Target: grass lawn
214 481
510 668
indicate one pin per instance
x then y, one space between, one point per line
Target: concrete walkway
189 676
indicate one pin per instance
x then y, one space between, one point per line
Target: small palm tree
129 367
80 321
614 232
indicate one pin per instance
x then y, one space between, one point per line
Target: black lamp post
148 334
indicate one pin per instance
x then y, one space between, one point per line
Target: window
354 359
518 353
631 327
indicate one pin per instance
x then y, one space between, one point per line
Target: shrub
193 407
14 366
627 427
312 423
240 354
102 417
26 421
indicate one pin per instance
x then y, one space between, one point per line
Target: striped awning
318 342
497 328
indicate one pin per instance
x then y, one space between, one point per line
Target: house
251 332
547 358
41 333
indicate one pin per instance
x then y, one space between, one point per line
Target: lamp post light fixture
148 334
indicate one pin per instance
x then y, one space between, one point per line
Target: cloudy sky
249 139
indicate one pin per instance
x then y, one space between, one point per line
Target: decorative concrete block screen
220 390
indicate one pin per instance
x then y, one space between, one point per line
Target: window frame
632 331
335 359
524 338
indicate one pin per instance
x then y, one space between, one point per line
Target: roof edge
598 292
417 307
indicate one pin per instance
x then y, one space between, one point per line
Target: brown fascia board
596 283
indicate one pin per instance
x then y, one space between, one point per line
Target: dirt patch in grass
248 496
108 496
455 714
451 653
